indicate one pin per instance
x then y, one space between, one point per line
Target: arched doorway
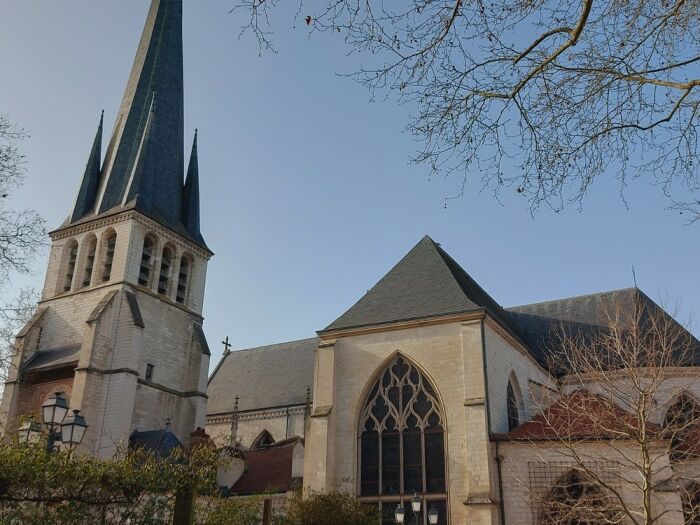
401 443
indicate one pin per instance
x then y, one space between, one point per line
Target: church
425 390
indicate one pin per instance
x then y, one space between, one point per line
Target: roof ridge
262 347
582 296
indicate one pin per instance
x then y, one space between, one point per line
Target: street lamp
67 430
399 514
73 429
433 516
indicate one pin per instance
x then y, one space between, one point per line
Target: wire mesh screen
545 474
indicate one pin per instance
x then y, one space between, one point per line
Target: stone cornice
122 216
256 415
327 335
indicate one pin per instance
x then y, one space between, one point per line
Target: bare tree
539 96
13 316
618 423
22 233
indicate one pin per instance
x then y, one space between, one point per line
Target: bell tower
119 325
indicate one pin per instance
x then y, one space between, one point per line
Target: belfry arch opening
401 442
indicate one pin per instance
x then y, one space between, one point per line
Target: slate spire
157 69
190 196
85 200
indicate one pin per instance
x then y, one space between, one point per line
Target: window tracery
401 439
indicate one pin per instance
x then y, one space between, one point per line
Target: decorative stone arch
69 261
575 499
515 404
401 439
263 440
108 245
148 257
88 252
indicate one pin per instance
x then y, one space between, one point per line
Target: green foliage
133 487
226 511
329 508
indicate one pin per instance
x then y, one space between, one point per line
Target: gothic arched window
90 245
71 257
402 441
263 440
512 407
166 262
110 244
146 261
681 418
182 279
576 500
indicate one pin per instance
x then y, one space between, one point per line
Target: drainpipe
501 506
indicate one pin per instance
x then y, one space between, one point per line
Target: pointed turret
190 196
157 68
85 201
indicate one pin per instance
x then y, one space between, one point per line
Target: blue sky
308 197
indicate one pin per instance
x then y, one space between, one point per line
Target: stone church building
425 386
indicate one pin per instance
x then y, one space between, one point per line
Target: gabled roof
427 282
265 377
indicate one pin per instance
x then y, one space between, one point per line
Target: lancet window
682 421
166 262
512 407
402 442
91 247
146 261
182 279
110 244
71 259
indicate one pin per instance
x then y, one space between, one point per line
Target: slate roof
159 442
143 167
584 315
52 359
427 282
264 377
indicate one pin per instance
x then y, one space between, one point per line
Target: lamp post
400 514
60 429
